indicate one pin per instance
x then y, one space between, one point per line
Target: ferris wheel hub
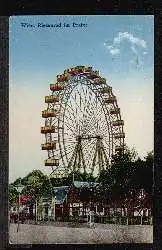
88 137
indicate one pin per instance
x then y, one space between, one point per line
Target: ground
72 233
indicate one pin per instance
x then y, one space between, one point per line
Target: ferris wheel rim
104 106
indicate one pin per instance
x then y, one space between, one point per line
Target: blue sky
121 47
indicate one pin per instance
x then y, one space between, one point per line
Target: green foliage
67 181
126 175
37 185
143 175
13 194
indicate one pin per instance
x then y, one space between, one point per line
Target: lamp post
36 213
53 198
19 188
90 205
53 207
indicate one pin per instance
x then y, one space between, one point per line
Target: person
15 217
23 216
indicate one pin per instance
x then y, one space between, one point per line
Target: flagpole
36 211
54 209
19 188
18 214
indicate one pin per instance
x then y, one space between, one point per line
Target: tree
116 180
149 172
13 194
37 185
67 181
127 174
143 174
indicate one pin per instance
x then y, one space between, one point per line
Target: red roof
24 199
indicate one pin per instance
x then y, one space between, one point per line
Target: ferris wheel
83 127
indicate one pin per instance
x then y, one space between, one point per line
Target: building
74 200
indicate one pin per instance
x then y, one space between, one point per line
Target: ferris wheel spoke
71 124
85 102
93 121
74 112
104 126
104 129
69 136
88 121
82 101
71 128
68 140
68 153
89 144
94 110
78 122
108 145
69 146
77 106
69 117
98 118
84 146
91 151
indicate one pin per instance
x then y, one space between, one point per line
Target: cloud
129 37
134 50
114 51
134 41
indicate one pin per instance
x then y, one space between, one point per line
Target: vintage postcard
81 129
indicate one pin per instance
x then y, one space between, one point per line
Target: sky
121 47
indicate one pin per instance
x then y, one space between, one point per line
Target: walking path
101 233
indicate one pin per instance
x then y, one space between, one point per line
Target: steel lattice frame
86 123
